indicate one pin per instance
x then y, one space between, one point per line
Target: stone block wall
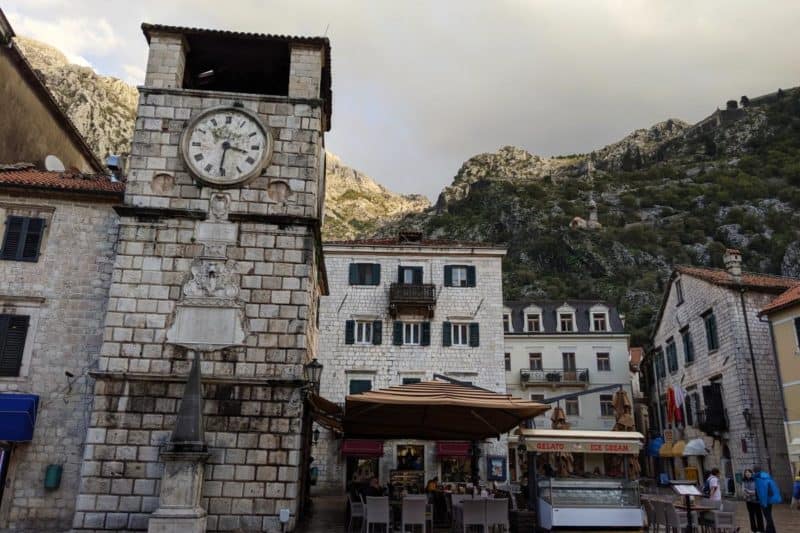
732 364
304 71
166 61
65 293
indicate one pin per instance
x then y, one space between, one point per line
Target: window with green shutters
363 332
365 274
712 338
460 334
357 386
22 238
459 276
409 275
688 346
411 333
13 330
672 356
661 371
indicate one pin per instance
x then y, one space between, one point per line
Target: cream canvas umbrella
564 460
622 410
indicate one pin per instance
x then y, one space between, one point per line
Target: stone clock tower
198 409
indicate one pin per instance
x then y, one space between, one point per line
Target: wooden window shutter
425 334
13 237
417 275
474 334
376 274
447 334
397 333
399 274
350 332
471 277
13 330
353 273
32 238
448 275
377 332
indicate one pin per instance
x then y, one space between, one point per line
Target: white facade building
555 348
399 311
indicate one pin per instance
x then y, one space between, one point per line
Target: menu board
686 489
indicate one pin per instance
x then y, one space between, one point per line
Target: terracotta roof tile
788 298
750 280
60 181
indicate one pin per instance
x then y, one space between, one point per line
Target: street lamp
315 435
313 372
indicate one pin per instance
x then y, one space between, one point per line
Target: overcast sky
419 87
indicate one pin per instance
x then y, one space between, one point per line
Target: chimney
733 262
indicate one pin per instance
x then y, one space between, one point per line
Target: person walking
714 488
751 500
768 495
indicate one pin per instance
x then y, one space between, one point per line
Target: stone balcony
554 377
414 298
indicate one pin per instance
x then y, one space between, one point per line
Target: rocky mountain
672 193
101 107
356 205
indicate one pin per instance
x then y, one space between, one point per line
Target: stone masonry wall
732 363
386 364
166 61
65 292
304 71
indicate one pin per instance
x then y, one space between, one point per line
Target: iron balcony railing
412 296
554 376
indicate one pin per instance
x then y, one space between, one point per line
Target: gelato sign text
550 446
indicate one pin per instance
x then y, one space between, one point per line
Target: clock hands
225 147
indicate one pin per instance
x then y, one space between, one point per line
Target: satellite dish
53 164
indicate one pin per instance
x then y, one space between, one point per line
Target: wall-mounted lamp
315 435
313 373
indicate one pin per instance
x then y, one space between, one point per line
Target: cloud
134 74
76 37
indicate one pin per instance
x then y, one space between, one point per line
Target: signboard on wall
584 446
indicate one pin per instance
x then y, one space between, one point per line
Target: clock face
225 146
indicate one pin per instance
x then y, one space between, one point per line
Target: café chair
356 512
413 513
676 520
377 512
497 514
725 518
473 513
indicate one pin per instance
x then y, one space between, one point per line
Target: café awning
695 447
665 450
435 410
678 448
325 413
362 448
575 441
453 449
18 416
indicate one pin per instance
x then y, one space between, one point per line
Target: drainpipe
755 377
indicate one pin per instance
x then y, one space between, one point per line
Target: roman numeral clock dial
226 146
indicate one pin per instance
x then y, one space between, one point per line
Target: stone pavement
328 517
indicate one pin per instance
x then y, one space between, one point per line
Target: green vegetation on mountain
670 194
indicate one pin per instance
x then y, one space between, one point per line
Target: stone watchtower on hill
217 278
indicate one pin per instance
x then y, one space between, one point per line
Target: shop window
456 469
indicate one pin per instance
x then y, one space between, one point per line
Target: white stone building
558 347
710 343
401 310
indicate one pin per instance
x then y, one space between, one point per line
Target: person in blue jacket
768 495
